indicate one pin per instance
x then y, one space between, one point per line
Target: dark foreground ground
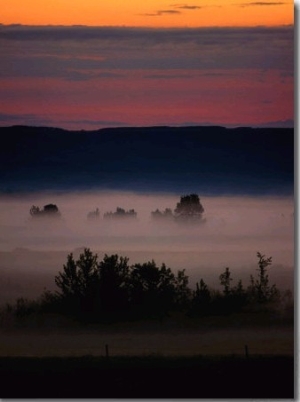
148 377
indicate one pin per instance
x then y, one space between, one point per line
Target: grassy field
236 356
148 377
262 341
53 336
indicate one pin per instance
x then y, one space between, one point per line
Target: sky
154 13
91 64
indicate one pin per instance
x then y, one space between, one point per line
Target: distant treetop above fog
159 215
94 214
49 210
189 209
120 213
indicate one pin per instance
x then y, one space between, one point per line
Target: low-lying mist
34 249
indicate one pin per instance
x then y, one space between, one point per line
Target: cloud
74 75
288 123
24 119
97 123
109 73
161 12
85 33
81 53
8 119
186 7
261 3
168 76
278 123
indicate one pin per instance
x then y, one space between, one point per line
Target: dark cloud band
84 33
261 3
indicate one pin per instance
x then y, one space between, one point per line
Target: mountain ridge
155 157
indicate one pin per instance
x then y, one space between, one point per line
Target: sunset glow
175 100
156 13
98 64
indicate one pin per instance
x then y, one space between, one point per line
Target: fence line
242 350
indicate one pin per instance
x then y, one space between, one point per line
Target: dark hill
178 159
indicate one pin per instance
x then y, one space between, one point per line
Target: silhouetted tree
79 282
94 214
189 209
120 213
233 299
111 290
167 214
155 290
260 289
201 300
35 210
183 292
25 307
49 210
225 280
239 296
114 283
202 292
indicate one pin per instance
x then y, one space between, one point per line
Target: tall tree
259 287
201 301
78 282
114 283
120 213
49 210
189 209
154 288
167 214
225 279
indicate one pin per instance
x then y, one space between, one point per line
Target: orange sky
156 13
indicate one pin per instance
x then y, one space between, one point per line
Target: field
212 358
123 342
148 377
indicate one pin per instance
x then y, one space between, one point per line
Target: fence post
108 362
246 352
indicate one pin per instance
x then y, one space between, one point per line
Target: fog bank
32 250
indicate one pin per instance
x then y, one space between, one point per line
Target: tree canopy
49 210
93 214
120 213
112 286
167 214
189 209
110 290
260 288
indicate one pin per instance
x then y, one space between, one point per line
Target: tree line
110 290
188 209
